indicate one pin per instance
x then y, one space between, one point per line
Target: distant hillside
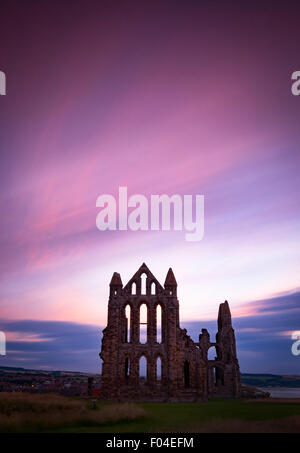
270 380
257 380
11 370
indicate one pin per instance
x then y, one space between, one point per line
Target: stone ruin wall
186 372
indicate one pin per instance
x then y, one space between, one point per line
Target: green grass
44 413
185 417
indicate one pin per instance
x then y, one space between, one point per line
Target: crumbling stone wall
186 372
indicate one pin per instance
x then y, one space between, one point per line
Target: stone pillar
135 316
171 347
151 324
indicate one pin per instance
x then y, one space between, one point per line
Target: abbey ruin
143 327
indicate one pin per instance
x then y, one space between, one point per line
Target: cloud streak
161 99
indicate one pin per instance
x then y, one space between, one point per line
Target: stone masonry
177 368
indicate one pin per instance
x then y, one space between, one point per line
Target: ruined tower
143 325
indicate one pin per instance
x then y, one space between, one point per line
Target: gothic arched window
133 289
186 374
127 338
158 323
127 367
143 369
143 283
153 288
158 369
143 323
212 353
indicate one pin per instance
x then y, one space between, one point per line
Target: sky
161 97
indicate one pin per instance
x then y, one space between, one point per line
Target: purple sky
161 97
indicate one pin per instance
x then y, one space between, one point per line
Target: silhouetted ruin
143 325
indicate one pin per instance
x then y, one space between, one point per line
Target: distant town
70 383
42 381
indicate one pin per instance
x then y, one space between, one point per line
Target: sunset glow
168 103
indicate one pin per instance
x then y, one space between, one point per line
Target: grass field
21 412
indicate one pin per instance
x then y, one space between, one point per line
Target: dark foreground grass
41 413
220 415
21 412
